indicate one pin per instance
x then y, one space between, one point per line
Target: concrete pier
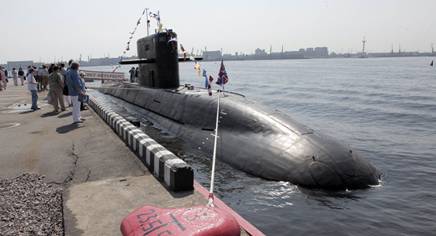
102 179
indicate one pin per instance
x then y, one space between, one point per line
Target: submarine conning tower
162 69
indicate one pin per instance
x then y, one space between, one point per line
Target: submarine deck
102 180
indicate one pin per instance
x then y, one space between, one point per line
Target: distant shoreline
306 58
277 59
115 62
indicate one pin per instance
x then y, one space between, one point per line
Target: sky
50 30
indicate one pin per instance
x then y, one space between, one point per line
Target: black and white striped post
167 167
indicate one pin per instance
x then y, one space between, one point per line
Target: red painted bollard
198 221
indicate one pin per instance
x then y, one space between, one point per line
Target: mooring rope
212 177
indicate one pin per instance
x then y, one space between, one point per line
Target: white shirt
14 74
31 82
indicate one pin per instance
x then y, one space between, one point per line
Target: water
385 108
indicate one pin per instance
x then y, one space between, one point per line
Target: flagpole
148 22
222 63
158 21
212 178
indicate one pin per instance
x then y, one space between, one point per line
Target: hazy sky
48 29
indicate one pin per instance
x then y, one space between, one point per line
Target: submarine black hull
253 138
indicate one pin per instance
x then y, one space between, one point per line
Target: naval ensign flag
222 75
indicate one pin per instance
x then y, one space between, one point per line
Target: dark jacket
74 83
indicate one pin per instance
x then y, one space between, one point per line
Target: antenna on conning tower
147 21
159 25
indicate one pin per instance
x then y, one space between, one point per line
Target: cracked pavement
48 144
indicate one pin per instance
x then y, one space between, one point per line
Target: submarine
252 137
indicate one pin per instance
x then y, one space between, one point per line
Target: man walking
56 87
44 78
38 77
15 76
21 75
32 86
63 71
75 89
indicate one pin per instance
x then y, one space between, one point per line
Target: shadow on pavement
65 115
25 112
52 113
67 128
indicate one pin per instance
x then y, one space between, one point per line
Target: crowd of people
65 86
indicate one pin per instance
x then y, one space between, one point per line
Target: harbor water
384 108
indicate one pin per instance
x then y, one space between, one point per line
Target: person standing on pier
32 85
21 75
82 103
38 77
44 78
132 74
75 89
2 78
67 99
56 87
15 76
